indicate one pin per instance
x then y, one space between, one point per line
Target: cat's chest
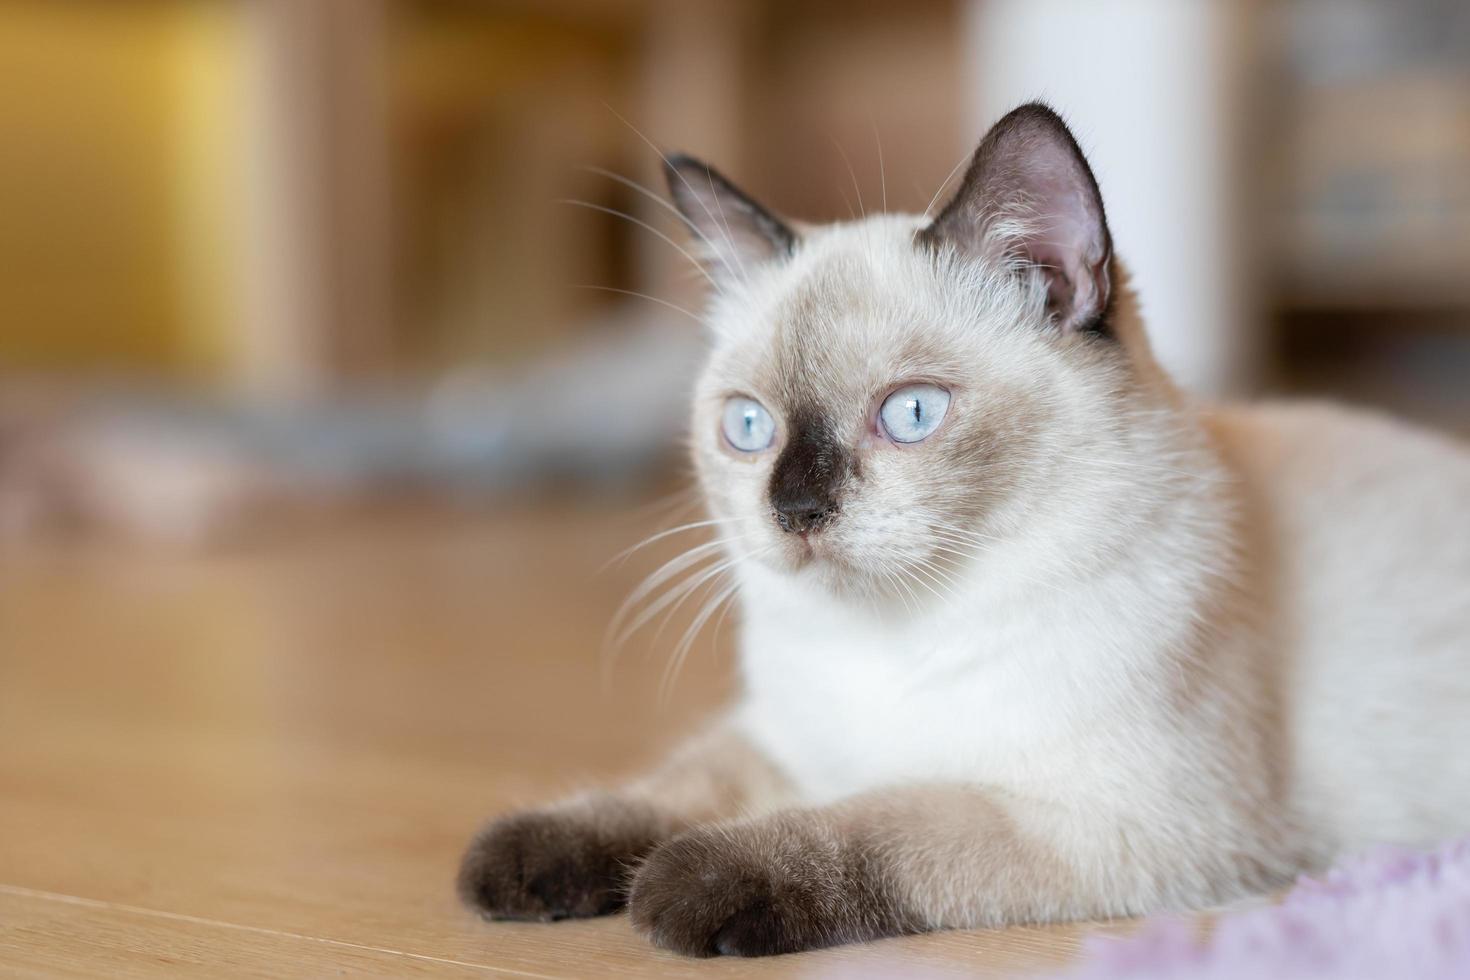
845 707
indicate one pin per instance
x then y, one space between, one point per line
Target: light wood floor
265 762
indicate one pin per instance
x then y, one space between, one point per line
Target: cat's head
892 396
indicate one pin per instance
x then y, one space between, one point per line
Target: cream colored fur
1190 651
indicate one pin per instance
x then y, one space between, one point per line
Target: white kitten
1027 634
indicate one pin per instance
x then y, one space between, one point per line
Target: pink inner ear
1029 195
1067 238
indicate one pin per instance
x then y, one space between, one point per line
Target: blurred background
266 262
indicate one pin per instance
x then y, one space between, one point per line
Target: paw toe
757 929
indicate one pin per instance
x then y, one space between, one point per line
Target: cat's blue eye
913 412
748 426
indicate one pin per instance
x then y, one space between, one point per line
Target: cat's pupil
918 408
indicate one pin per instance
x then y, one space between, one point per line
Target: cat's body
1362 525
1080 648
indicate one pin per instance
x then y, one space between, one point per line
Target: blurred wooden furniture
266 762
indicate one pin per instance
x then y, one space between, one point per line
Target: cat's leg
573 858
895 862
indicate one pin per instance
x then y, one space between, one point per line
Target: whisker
682 499
847 202
935 199
686 642
890 580
981 546
725 228
882 175
652 230
653 196
658 578
667 532
652 299
906 593
728 606
924 578
613 634
853 174
684 591
615 639
682 179
940 573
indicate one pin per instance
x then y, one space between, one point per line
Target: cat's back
1361 535
1336 483
1355 504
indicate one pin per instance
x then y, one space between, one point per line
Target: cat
1028 634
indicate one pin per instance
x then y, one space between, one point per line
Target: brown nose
800 516
808 475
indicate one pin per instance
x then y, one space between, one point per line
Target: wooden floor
264 762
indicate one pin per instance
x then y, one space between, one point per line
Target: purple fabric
1390 914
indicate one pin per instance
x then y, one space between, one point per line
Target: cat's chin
824 565
807 555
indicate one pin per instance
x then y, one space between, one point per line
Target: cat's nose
808 476
803 515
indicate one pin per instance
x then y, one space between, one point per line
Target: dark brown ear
1029 197
735 233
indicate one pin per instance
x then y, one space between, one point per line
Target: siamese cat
1027 633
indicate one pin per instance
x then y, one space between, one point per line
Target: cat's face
882 404
869 413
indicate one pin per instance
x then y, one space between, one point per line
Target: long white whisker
652 299
728 606
668 532
617 641
847 202
948 578
882 174
686 642
980 545
889 578
659 577
907 594
955 534
612 636
725 228
684 499
853 174
935 199
682 179
652 230
617 635
924 578
939 573
656 198
684 591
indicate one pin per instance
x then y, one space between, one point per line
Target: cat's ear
1029 197
734 232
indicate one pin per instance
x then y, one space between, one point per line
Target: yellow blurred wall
117 232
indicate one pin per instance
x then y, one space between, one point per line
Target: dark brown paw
567 863
759 889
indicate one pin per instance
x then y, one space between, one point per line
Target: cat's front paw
771 886
544 865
